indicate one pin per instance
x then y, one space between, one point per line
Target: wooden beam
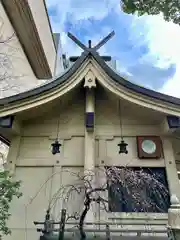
170 124
5 140
99 45
16 127
11 124
104 40
80 44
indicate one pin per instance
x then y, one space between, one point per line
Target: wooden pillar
62 224
13 154
89 157
171 170
89 160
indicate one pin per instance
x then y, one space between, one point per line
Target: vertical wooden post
13 154
171 169
89 153
89 135
108 236
89 158
62 224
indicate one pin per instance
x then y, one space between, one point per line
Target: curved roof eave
108 70
47 86
132 86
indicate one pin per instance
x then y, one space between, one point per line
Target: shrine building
84 118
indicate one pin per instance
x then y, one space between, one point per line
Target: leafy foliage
8 189
169 8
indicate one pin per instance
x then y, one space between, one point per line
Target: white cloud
78 11
172 87
162 38
81 9
68 46
163 41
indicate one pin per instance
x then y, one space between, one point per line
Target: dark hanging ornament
56 147
123 147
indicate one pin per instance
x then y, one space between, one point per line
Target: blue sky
147 49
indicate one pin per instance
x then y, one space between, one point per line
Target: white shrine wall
34 163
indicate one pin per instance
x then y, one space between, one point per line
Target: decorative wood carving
149 147
90 80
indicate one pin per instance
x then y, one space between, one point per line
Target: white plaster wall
39 186
36 151
41 20
16 74
67 197
35 163
26 210
135 122
109 154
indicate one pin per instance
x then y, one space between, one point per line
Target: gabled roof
90 55
45 87
109 71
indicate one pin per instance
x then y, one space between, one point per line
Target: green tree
169 8
8 189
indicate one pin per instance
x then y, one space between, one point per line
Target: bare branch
139 187
5 41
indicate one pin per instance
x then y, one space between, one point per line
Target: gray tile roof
49 86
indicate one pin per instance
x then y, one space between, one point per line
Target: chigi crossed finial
90 48
99 45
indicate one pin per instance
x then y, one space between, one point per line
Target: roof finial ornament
89 43
89 48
